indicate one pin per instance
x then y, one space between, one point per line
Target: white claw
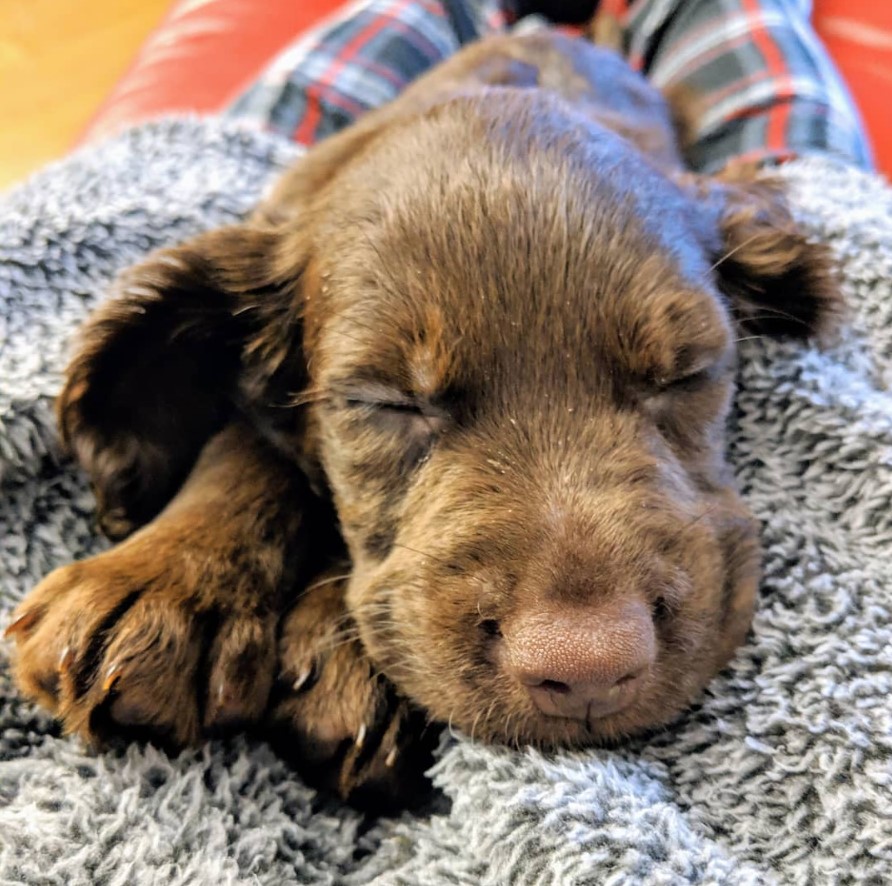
302 678
390 759
360 737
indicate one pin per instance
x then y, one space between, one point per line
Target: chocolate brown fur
498 338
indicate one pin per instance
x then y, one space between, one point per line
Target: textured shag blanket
782 775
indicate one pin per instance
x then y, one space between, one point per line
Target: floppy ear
778 281
159 366
193 334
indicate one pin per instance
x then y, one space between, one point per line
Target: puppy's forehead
480 175
483 225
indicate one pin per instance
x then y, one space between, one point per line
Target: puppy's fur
469 365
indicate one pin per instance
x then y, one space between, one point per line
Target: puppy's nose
578 662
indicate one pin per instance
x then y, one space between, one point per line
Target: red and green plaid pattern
360 60
764 87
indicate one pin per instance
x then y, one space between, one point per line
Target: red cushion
202 54
859 37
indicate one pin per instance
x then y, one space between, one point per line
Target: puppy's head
504 344
521 352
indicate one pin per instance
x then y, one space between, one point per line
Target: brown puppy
493 326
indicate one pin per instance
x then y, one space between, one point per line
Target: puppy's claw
227 709
359 741
22 624
390 759
302 678
112 675
66 660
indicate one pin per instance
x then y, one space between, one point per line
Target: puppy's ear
779 282
194 333
159 365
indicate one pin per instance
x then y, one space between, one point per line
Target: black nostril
490 627
554 686
661 610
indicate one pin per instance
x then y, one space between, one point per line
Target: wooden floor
58 60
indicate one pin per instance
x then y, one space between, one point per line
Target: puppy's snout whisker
420 553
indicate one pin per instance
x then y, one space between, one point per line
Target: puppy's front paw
149 640
339 722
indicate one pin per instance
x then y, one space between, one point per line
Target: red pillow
202 55
859 37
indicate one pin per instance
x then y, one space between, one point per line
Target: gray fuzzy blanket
782 775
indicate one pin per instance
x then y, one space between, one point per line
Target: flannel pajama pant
766 89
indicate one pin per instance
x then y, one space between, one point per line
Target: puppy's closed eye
685 369
697 385
690 378
394 412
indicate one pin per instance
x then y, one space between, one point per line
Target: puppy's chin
494 715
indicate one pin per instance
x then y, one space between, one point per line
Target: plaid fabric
360 60
764 86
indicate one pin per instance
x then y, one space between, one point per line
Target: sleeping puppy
437 435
